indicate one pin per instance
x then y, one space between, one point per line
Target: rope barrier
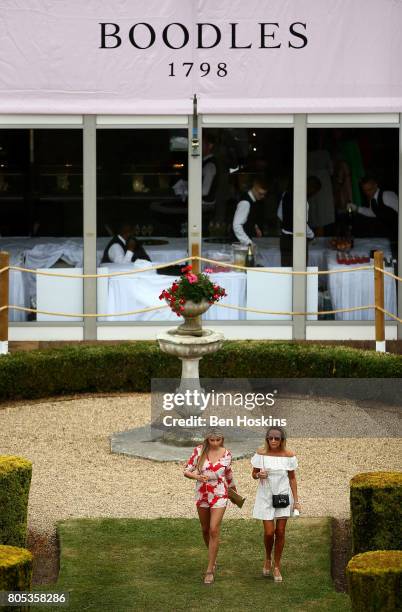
81 315
108 275
389 314
279 271
192 258
152 308
207 260
291 313
397 278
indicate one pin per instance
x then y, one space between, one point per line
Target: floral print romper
214 493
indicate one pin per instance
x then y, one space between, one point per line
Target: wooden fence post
195 251
4 263
379 302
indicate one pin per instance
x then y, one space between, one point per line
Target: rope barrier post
379 301
195 252
4 280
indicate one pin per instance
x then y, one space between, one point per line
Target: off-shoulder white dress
277 482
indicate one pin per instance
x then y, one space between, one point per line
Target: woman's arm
229 478
293 487
190 471
195 476
255 473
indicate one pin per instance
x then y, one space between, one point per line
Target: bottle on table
250 262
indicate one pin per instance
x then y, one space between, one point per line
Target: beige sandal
278 576
265 571
209 577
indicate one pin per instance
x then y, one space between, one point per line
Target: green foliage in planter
374 580
15 479
375 500
15 571
131 366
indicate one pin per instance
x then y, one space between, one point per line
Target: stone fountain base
158 444
142 443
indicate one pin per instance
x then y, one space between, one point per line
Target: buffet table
126 293
345 290
357 289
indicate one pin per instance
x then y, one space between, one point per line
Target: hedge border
131 366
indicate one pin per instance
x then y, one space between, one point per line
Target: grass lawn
157 565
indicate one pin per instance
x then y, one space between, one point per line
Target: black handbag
281 500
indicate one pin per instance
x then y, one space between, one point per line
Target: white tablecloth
126 293
345 290
357 289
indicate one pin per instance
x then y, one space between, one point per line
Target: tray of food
341 244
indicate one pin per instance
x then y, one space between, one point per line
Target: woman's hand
202 478
262 474
297 505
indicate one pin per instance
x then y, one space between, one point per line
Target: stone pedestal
190 350
154 441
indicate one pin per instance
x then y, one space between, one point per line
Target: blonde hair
266 448
205 447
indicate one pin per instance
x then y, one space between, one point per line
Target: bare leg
214 531
204 515
269 531
279 540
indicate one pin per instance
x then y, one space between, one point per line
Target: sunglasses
276 438
214 439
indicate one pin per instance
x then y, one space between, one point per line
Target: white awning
136 57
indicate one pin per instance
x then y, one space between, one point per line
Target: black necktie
374 205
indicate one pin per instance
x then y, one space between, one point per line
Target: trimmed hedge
375 500
15 571
130 366
374 580
15 480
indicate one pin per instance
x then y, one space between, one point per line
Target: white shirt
208 175
309 232
240 218
388 197
116 253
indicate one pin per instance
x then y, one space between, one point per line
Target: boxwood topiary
375 500
15 571
15 480
374 580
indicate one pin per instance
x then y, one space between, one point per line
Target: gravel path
74 474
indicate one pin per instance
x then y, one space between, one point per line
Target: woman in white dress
274 467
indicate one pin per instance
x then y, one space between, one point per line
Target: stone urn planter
191 314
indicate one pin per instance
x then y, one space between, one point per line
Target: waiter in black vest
248 212
124 248
285 214
380 216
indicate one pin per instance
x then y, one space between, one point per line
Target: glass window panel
354 213
247 184
142 216
42 218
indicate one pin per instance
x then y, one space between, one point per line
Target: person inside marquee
380 216
285 215
245 220
124 248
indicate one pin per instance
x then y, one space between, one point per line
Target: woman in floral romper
210 466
